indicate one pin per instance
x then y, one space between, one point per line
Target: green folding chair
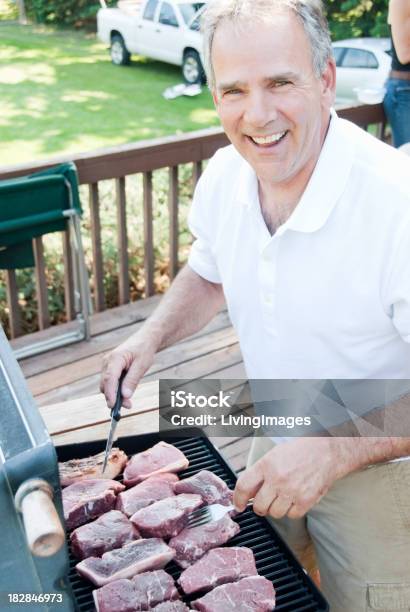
35 205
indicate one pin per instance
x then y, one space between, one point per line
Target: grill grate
295 592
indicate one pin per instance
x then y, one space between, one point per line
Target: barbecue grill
28 471
28 480
295 592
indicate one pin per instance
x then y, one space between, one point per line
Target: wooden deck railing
117 163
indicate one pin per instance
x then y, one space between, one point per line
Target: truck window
150 8
167 15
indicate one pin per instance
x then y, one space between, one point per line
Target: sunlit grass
61 94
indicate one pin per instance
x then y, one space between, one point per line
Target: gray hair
309 12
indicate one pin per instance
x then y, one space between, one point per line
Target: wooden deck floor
73 372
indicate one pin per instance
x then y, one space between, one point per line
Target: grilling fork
115 417
207 514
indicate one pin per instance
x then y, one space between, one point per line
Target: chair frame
82 297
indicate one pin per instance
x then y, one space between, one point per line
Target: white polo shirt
328 295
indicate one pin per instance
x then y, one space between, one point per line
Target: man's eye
281 83
232 92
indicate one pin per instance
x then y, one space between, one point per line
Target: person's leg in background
397 109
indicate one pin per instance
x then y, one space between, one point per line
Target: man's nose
260 110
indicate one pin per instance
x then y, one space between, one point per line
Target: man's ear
215 97
329 82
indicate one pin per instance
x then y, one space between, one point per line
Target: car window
188 11
359 58
338 54
167 15
150 8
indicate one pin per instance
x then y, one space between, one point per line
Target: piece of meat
209 486
111 530
171 606
146 493
86 500
91 467
167 517
141 593
160 458
191 544
253 594
218 566
133 558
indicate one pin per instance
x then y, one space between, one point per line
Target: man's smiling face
273 107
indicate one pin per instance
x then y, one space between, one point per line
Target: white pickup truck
165 30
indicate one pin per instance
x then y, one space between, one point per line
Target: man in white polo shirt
303 225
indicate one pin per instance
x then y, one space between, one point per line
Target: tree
22 12
353 18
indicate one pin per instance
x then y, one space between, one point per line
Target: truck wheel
192 69
120 56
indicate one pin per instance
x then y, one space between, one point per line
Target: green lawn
61 94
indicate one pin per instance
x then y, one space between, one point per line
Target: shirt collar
324 188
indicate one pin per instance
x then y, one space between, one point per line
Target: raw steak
111 530
143 591
171 606
218 566
160 458
191 544
86 500
91 467
146 493
167 517
210 487
254 594
125 562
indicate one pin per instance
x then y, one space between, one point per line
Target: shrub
78 13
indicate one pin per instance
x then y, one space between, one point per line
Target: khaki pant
358 536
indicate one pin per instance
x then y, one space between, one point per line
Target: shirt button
265 256
268 299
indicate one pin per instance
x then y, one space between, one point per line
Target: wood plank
101 323
128 426
41 284
97 264
196 368
148 235
173 221
205 366
13 304
84 368
122 241
99 343
141 156
92 410
234 371
68 276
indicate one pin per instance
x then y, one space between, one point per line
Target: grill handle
44 532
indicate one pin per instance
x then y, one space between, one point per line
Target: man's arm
189 304
399 19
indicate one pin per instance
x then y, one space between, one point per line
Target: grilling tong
115 417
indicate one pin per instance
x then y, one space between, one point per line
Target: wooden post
148 235
99 299
68 277
41 284
13 304
173 221
123 280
